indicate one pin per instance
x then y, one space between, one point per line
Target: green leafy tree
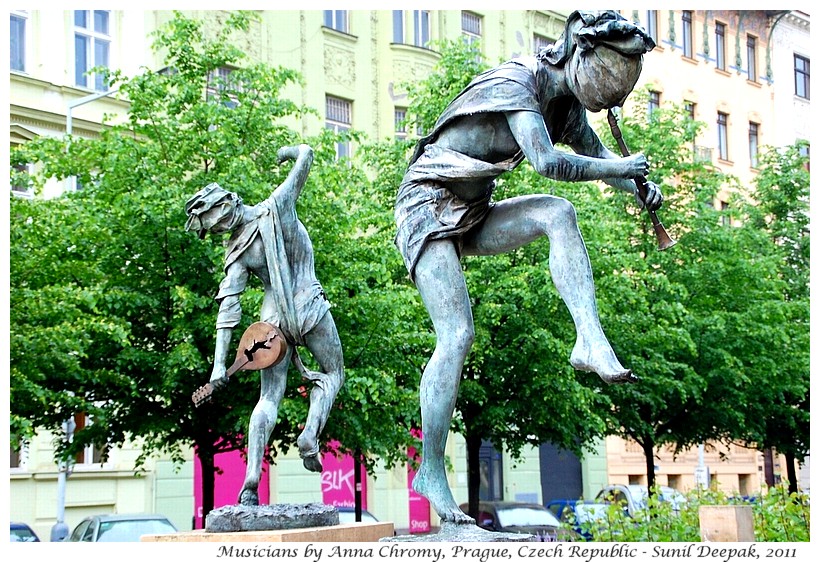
112 310
696 322
781 213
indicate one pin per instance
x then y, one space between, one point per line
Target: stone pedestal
343 532
726 523
276 517
452 532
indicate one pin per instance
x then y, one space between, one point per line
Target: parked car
20 532
634 496
120 528
348 515
577 514
519 517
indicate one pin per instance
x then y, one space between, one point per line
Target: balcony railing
703 154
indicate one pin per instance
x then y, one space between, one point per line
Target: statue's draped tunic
425 208
294 301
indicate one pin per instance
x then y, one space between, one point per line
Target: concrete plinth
276 517
726 523
344 532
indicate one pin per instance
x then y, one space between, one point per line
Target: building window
338 119
400 118
751 57
17 35
654 103
421 27
720 46
725 220
220 85
754 132
539 42
690 112
687 33
337 19
18 184
92 43
398 26
471 26
723 136
805 152
801 77
652 24
90 455
18 459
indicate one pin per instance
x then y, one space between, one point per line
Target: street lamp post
71 181
59 532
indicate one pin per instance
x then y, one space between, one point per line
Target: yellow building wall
680 79
113 487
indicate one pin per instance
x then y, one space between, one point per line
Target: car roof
570 502
127 517
510 504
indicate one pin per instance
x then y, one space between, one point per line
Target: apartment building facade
354 64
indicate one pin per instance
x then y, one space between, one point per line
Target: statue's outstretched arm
531 134
588 143
292 186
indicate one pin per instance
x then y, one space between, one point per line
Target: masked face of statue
602 78
214 210
219 219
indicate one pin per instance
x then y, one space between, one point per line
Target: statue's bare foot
309 451
312 463
248 497
600 359
437 491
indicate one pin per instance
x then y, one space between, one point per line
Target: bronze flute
664 240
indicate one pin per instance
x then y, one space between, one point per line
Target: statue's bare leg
517 221
441 283
323 342
262 421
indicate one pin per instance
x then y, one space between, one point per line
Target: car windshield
590 512
121 531
640 495
19 534
526 517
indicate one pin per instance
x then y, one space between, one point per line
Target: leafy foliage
112 310
779 516
704 324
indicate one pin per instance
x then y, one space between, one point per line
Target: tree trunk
768 467
206 463
791 472
649 455
357 482
473 472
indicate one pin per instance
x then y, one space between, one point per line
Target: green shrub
778 517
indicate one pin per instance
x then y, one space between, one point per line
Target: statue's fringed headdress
602 53
588 29
206 199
